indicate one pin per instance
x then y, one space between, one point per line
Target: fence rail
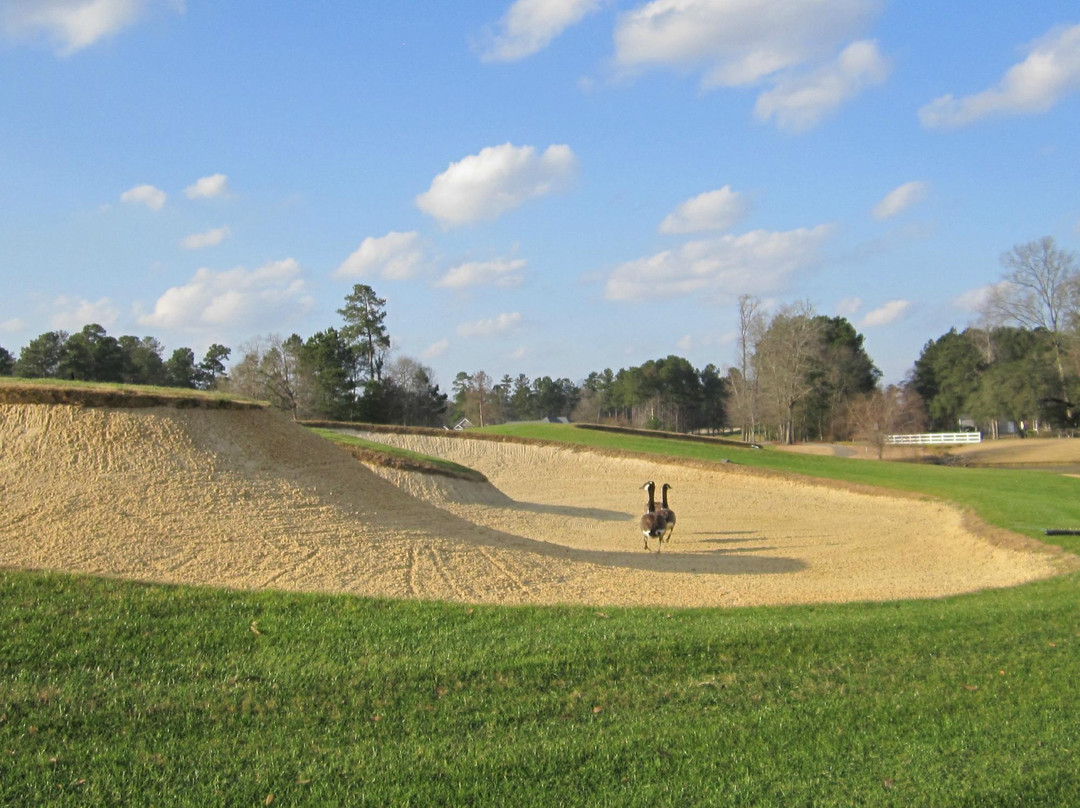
928 438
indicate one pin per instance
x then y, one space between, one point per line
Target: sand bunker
247 499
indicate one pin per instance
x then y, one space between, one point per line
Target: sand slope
248 499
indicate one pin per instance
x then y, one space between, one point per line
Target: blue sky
546 187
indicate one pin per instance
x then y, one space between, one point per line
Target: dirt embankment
245 498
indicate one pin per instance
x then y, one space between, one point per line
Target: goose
652 523
666 512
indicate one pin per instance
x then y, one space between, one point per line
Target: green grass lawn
114 692
382 454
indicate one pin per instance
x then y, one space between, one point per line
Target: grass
107 394
116 692
384 455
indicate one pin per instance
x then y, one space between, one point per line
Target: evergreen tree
181 370
947 377
142 362
91 355
40 358
212 366
7 362
330 362
365 329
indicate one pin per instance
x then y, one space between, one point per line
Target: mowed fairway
247 499
243 693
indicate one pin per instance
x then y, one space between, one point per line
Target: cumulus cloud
757 262
208 187
530 25
899 199
800 102
436 349
1050 71
848 306
153 198
71 24
211 238
978 300
395 256
71 315
712 210
500 178
736 42
888 313
238 298
500 272
494 327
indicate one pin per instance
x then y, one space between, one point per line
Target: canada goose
652 523
666 512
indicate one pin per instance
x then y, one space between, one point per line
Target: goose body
652 522
666 512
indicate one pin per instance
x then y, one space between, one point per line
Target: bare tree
887 412
743 382
472 393
1040 289
785 354
270 369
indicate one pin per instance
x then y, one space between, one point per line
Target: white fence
928 438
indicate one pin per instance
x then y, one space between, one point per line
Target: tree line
93 355
797 375
1020 365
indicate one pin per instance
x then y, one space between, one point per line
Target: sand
247 499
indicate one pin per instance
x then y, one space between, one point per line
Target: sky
540 187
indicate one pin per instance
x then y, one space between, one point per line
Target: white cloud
12 325
153 198
208 187
494 327
239 298
211 238
799 102
1050 71
501 272
976 300
71 24
899 199
888 313
757 262
530 25
436 349
72 315
736 42
848 306
712 210
486 185
395 256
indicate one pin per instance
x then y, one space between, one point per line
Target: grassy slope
113 691
380 454
15 390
